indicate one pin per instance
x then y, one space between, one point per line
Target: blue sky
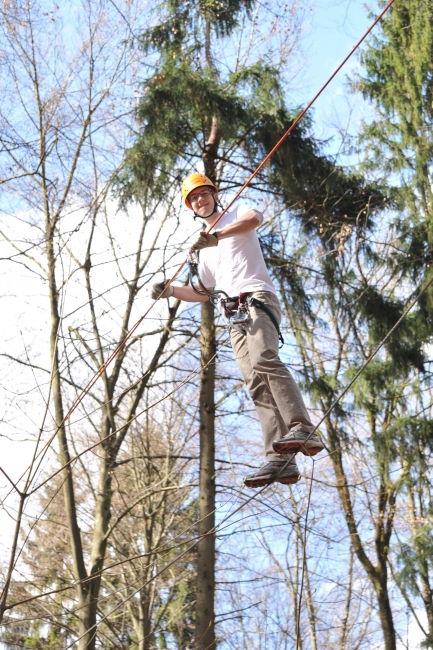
336 25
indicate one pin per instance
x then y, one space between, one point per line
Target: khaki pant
276 396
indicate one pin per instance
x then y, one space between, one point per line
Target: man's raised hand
158 290
206 240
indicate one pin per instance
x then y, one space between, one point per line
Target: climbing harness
213 294
236 310
254 302
236 313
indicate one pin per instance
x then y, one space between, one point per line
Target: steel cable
111 358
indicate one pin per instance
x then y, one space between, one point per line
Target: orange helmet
191 182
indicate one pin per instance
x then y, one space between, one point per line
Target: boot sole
293 446
261 482
289 481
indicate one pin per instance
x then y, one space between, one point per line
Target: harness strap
237 328
261 305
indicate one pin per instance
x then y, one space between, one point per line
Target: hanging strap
261 305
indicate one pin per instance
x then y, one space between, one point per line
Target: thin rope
304 560
93 381
302 114
257 494
137 324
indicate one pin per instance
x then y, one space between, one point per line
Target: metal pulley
241 316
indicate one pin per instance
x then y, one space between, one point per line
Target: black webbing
261 305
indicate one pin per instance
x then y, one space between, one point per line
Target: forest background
91 215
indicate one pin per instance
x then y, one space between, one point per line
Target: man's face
202 200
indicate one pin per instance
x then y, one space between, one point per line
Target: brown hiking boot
279 471
309 443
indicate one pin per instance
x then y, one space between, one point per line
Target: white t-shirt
236 265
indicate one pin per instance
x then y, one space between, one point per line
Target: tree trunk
376 573
143 622
84 594
423 570
205 614
385 613
205 593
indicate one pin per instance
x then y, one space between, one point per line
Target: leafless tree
62 123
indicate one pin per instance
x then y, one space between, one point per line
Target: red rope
301 115
100 372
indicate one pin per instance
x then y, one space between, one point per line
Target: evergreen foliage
398 80
187 89
334 210
399 83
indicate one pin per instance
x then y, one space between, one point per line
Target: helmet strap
216 205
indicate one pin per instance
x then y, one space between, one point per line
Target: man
231 259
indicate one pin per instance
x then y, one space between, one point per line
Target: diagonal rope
304 561
257 494
137 324
111 358
302 114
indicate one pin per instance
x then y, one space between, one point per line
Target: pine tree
398 80
181 102
195 109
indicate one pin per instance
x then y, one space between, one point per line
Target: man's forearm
248 222
188 294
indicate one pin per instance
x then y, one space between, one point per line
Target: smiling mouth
204 210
